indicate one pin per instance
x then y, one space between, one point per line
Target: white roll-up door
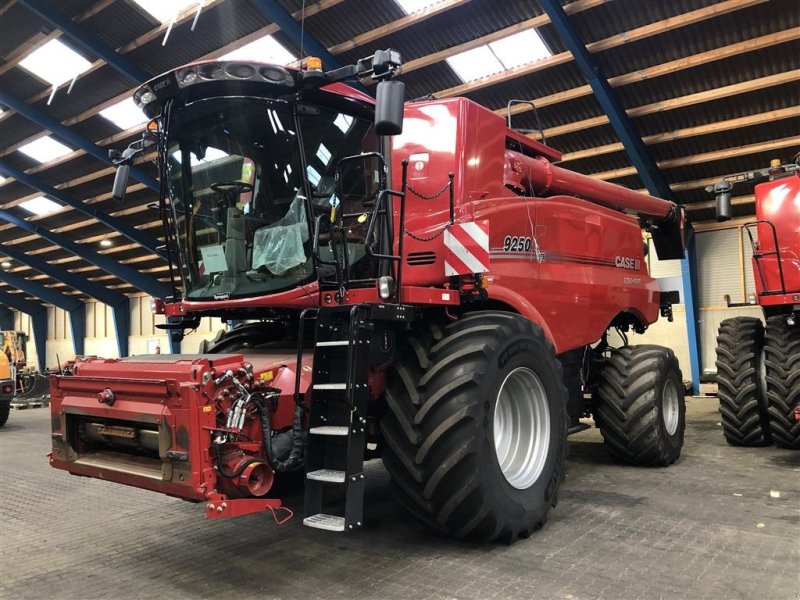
718 267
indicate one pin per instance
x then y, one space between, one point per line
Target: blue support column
142 238
140 281
77 321
637 153
122 326
690 303
38 315
6 319
77 32
69 136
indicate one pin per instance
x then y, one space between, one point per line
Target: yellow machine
5 367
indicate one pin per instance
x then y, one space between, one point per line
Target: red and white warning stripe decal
466 248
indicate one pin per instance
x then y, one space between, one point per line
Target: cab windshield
246 178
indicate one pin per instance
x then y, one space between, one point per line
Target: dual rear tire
758 375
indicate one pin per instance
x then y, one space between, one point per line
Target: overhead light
412 6
5 264
55 62
266 49
45 149
508 53
124 114
166 10
40 206
106 243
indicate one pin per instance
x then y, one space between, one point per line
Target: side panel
592 268
779 203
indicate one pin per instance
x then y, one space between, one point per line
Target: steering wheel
227 187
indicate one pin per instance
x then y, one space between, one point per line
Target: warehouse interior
666 98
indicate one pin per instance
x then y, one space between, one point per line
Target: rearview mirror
389 100
120 182
724 207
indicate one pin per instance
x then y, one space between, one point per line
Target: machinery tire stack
758 374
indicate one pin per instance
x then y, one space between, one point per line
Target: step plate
332 343
329 475
327 522
329 430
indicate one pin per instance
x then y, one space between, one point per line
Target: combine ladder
338 419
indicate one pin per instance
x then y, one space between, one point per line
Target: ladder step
329 475
333 343
323 521
330 386
329 430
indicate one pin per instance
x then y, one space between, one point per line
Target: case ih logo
627 262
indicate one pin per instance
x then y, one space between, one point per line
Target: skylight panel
266 49
55 63
166 10
412 6
40 206
45 149
2 179
313 175
508 53
124 114
343 122
475 64
324 154
520 49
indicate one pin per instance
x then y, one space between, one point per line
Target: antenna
302 30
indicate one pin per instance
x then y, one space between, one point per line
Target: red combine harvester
758 368
417 282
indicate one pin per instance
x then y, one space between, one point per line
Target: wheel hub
521 428
670 403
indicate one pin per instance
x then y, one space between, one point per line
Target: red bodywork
562 253
778 206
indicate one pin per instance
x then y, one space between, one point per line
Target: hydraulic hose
237 472
295 457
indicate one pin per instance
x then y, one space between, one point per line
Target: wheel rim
670 402
521 428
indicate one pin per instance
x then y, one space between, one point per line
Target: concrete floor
722 523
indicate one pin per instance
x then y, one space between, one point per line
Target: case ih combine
758 368
419 283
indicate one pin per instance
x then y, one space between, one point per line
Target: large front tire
782 370
740 382
475 430
641 410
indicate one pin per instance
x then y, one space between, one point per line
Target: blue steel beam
68 135
118 302
38 315
637 153
129 231
128 274
78 33
73 306
6 319
276 13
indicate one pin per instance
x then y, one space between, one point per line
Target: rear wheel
641 410
741 382
475 429
782 370
4 411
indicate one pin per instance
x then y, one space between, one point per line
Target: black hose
239 471
295 458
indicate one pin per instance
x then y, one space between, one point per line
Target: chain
427 239
432 196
